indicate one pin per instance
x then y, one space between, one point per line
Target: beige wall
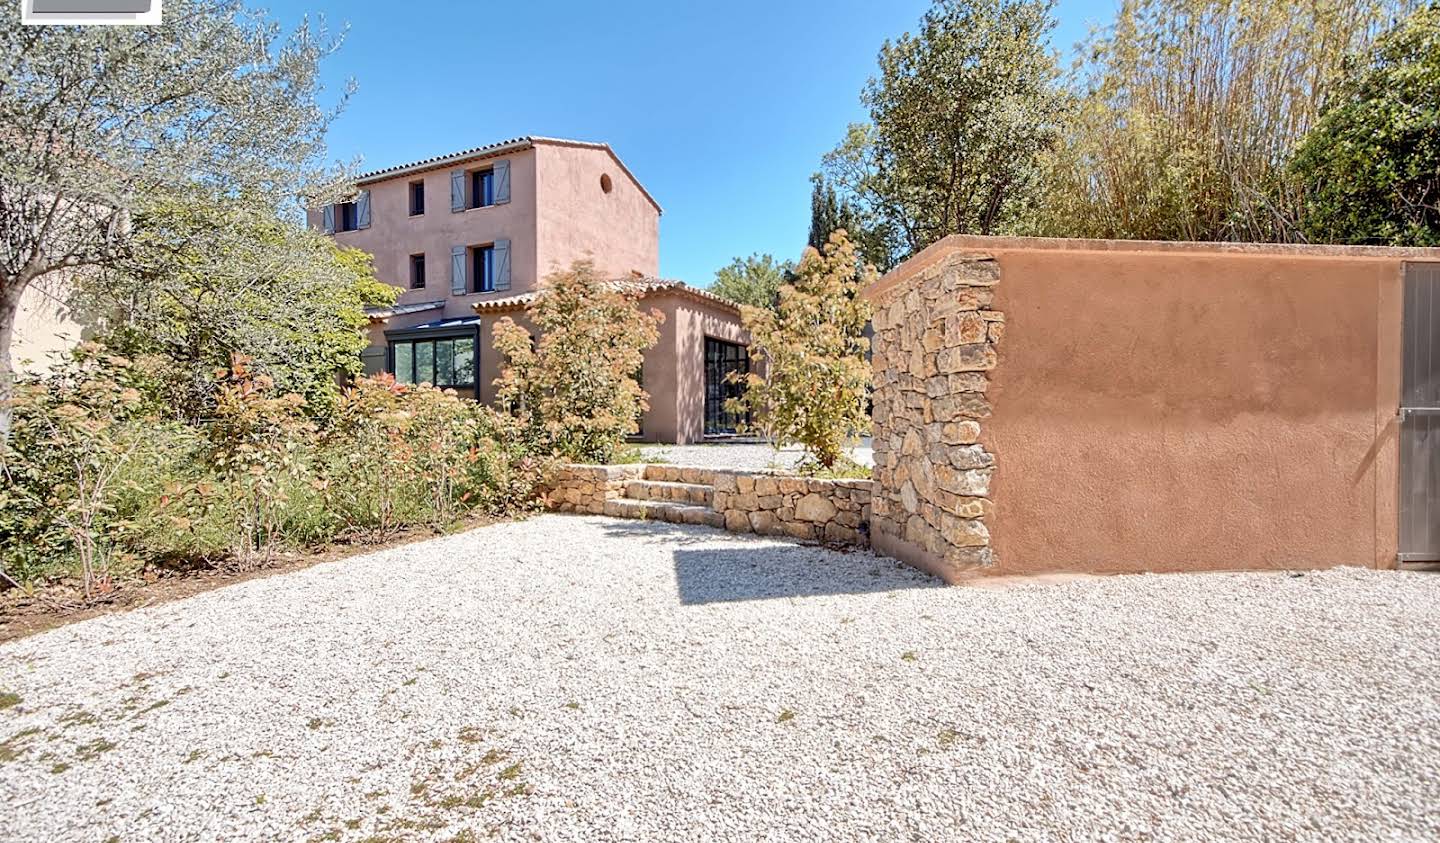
394 235
675 365
577 220
44 328
1178 407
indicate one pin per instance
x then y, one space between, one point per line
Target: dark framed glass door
721 359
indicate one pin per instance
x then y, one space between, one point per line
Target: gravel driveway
744 456
583 678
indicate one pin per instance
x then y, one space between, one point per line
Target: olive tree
99 122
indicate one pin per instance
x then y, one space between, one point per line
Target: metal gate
1420 416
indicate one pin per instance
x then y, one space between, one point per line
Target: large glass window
721 360
448 362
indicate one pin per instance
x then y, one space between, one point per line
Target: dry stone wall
585 488
832 511
768 503
934 345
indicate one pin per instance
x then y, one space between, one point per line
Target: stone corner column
933 349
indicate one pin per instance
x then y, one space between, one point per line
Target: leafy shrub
574 391
259 442
80 462
400 456
98 482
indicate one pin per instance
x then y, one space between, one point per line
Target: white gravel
744 456
643 681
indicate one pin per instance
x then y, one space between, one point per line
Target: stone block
815 507
765 486
962 405
969 557
737 521
964 328
965 532
960 432
972 483
791 485
836 534
762 522
909 498
800 530
967 382
970 456
976 357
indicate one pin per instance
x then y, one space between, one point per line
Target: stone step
675 513
680 474
665 490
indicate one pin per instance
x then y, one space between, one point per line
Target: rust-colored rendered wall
1162 407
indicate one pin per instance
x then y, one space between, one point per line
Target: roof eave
475 154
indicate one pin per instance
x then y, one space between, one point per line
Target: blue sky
722 109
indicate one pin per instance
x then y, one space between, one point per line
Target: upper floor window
480 269
417 271
482 188
346 218
417 198
484 273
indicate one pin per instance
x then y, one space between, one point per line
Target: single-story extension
1105 406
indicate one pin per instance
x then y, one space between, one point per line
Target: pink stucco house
469 238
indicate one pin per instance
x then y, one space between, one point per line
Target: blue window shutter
457 271
502 264
362 210
502 182
457 191
329 219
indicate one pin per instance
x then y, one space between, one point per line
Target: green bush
99 484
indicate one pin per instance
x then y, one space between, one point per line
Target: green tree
755 280
1369 171
959 115
1189 111
811 351
204 281
100 121
574 390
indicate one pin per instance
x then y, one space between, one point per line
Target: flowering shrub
76 462
97 481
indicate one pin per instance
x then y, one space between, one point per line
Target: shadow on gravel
770 571
661 531
765 567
